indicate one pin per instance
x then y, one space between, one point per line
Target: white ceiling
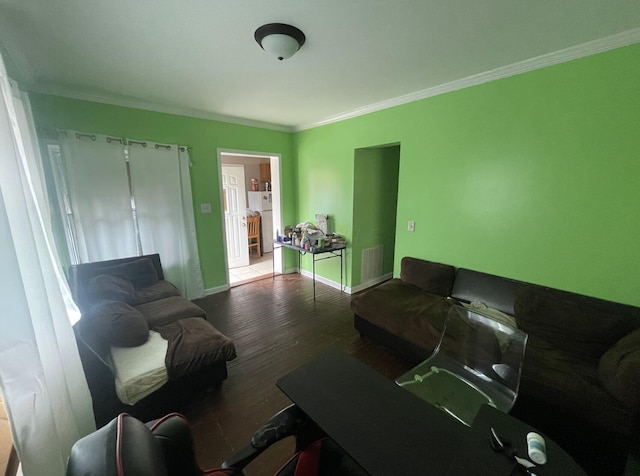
198 57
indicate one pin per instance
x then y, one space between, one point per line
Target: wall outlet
411 226
205 208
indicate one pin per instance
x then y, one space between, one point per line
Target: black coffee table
389 431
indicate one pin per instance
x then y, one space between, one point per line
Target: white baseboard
371 283
320 279
216 290
326 281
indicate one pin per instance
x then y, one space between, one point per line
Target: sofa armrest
619 370
98 372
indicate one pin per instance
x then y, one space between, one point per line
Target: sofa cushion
572 327
430 277
109 287
119 324
165 311
193 344
405 311
160 290
619 370
568 381
140 272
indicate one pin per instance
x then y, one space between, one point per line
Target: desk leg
341 266
313 258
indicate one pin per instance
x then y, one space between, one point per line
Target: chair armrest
291 421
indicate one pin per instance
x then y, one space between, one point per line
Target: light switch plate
411 226
205 208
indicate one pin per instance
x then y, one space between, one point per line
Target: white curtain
131 197
191 258
161 186
41 377
96 177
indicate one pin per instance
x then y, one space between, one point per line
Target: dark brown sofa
582 356
121 301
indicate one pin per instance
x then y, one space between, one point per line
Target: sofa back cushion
571 326
81 274
493 291
107 287
435 278
140 272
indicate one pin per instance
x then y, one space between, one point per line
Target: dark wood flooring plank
276 327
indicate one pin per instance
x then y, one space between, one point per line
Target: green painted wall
203 136
534 177
375 198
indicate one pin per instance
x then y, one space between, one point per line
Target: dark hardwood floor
276 327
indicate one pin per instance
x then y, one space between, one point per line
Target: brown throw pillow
619 370
119 324
108 287
573 327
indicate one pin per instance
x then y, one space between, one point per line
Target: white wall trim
323 280
216 290
147 106
575 52
275 160
619 40
371 283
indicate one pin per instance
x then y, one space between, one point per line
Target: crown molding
568 54
562 56
148 106
17 66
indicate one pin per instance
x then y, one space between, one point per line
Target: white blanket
140 370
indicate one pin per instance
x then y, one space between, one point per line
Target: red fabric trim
309 460
206 472
165 418
119 464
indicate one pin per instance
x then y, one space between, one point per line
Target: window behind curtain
121 198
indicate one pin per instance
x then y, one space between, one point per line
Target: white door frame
276 189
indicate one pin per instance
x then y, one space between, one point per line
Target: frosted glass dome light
279 40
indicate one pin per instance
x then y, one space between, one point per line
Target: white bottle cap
537 448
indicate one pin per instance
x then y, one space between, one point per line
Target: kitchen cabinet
265 173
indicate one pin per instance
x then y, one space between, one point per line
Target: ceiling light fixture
279 40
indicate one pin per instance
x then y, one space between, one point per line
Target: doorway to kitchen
250 183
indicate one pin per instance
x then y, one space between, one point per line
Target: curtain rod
139 142
159 146
54 133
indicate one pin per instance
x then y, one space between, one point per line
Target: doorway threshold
259 268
